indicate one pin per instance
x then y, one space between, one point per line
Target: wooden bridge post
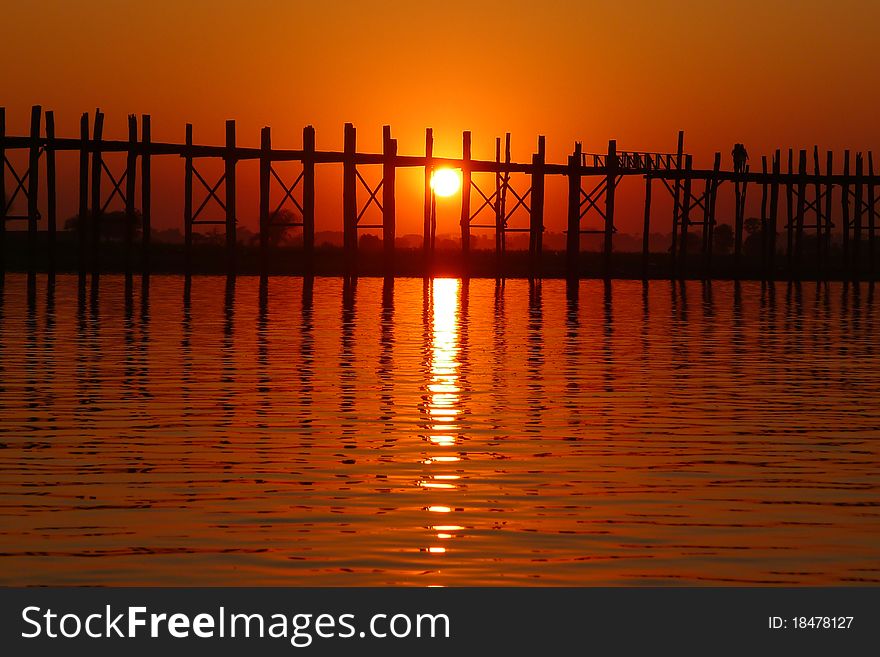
466 197
774 211
188 200
536 212
799 218
146 193
33 185
505 186
685 215
646 225
611 167
308 193
765 229
2 194
349 197
427 227
499 224
829 195
265 179
844 203
789 208
738 220
871 215
389 203
83 222
573 236
709 214
676 204
857 216
230 161
817 186
97 163
51 189
130 180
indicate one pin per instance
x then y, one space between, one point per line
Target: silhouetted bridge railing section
807 190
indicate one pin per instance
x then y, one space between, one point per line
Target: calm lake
438 432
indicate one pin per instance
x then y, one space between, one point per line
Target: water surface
438 432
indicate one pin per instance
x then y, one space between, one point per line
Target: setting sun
445 182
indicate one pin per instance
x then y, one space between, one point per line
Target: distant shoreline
408 262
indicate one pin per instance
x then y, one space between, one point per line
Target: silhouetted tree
112 224
752 243
723 238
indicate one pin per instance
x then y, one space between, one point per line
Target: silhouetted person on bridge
740 157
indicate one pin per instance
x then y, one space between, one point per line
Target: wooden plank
871 216
789 208
51 190
857 217
817 187
146 193
765 230
231 219
499 217
829 196
389 202
712 195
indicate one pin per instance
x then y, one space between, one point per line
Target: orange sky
768 73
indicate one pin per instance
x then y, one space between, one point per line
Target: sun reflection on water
443 406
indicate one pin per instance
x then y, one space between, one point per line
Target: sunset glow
445 182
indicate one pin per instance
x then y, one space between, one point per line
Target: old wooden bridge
487 202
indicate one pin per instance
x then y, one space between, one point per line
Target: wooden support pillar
146 193
265 179
573 236
844 202
83 222
789 208
774 211
871 216
505 186
349 197
389 202
33 185
231 158
130 180
466 196
427 236
829 195
817 186
676 202
51 189
799 217
610 188
499 225
685 215
2 193
308 194
765 228
709 215
646 225
97 165
188 200
738 220
536 212
857 216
